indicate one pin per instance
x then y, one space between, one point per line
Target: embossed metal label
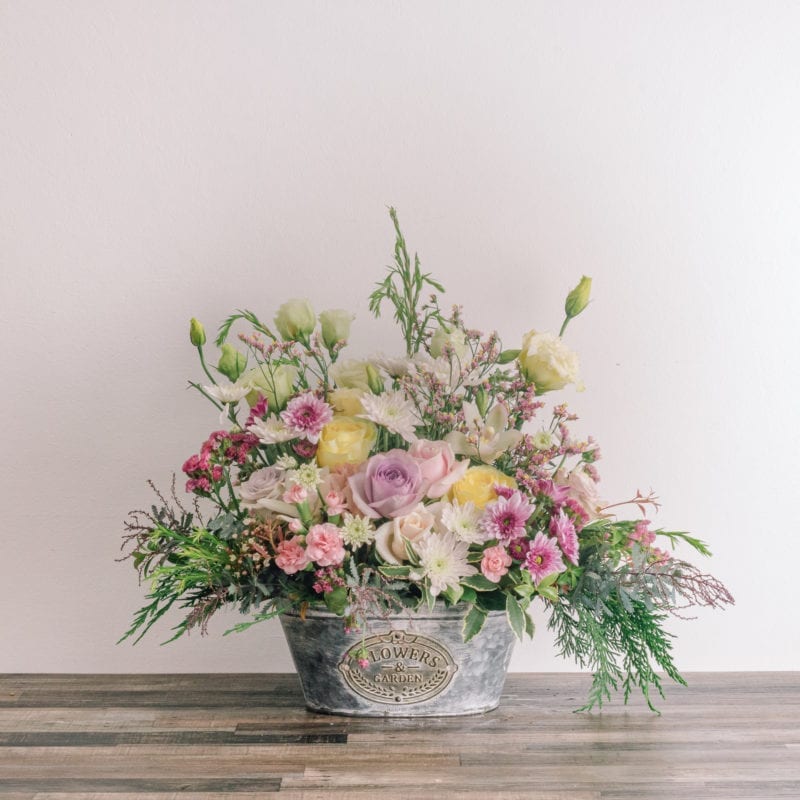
399 667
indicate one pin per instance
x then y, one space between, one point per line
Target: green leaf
548 592
516 616
336 600
427 597
410 554
479 583
391 571
469 595
453 593
491 601
473 622
507 356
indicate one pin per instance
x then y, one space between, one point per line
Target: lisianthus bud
197 333
374 380
335 325
452 337
231 363
482 401
295 319
578 298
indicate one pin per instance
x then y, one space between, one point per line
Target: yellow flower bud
578 298
197 333
231 362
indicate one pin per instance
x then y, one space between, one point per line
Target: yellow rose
477 485
347 401
345 440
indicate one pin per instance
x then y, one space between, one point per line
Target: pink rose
290 556
324 545
388 485
495 563
438 465
584 490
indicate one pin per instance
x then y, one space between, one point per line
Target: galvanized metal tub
413 664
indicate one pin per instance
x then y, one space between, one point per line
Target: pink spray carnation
324 545
290 556
495 562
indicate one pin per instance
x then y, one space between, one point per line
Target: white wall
167 160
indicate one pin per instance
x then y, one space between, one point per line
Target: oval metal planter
413 664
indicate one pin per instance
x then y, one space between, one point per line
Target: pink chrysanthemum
563 528
306 415
543 558
505 518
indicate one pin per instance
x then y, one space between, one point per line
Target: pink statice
291 556
563 528
306 415
543 558
324 545
495 563
505 518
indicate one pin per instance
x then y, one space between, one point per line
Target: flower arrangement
370 486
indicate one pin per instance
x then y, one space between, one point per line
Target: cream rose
345 440
547 362
391 537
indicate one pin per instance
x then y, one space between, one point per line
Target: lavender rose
263 483
388 485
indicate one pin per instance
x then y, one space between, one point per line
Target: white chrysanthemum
395 367
286 462
357 530
271 430
232 393
463 521
393 411
309 476
443 561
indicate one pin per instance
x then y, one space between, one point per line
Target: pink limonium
495 563
563 528
543 558
306 415
324 545
291 556
505 518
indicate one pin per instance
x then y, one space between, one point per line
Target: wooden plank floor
158 737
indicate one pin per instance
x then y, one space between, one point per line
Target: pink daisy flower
563 528
505 518
306 415
543 558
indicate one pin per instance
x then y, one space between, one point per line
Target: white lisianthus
547 362
295 319
453 339
442 560
335 326
351 374
392 410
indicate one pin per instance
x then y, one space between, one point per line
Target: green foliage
403 288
